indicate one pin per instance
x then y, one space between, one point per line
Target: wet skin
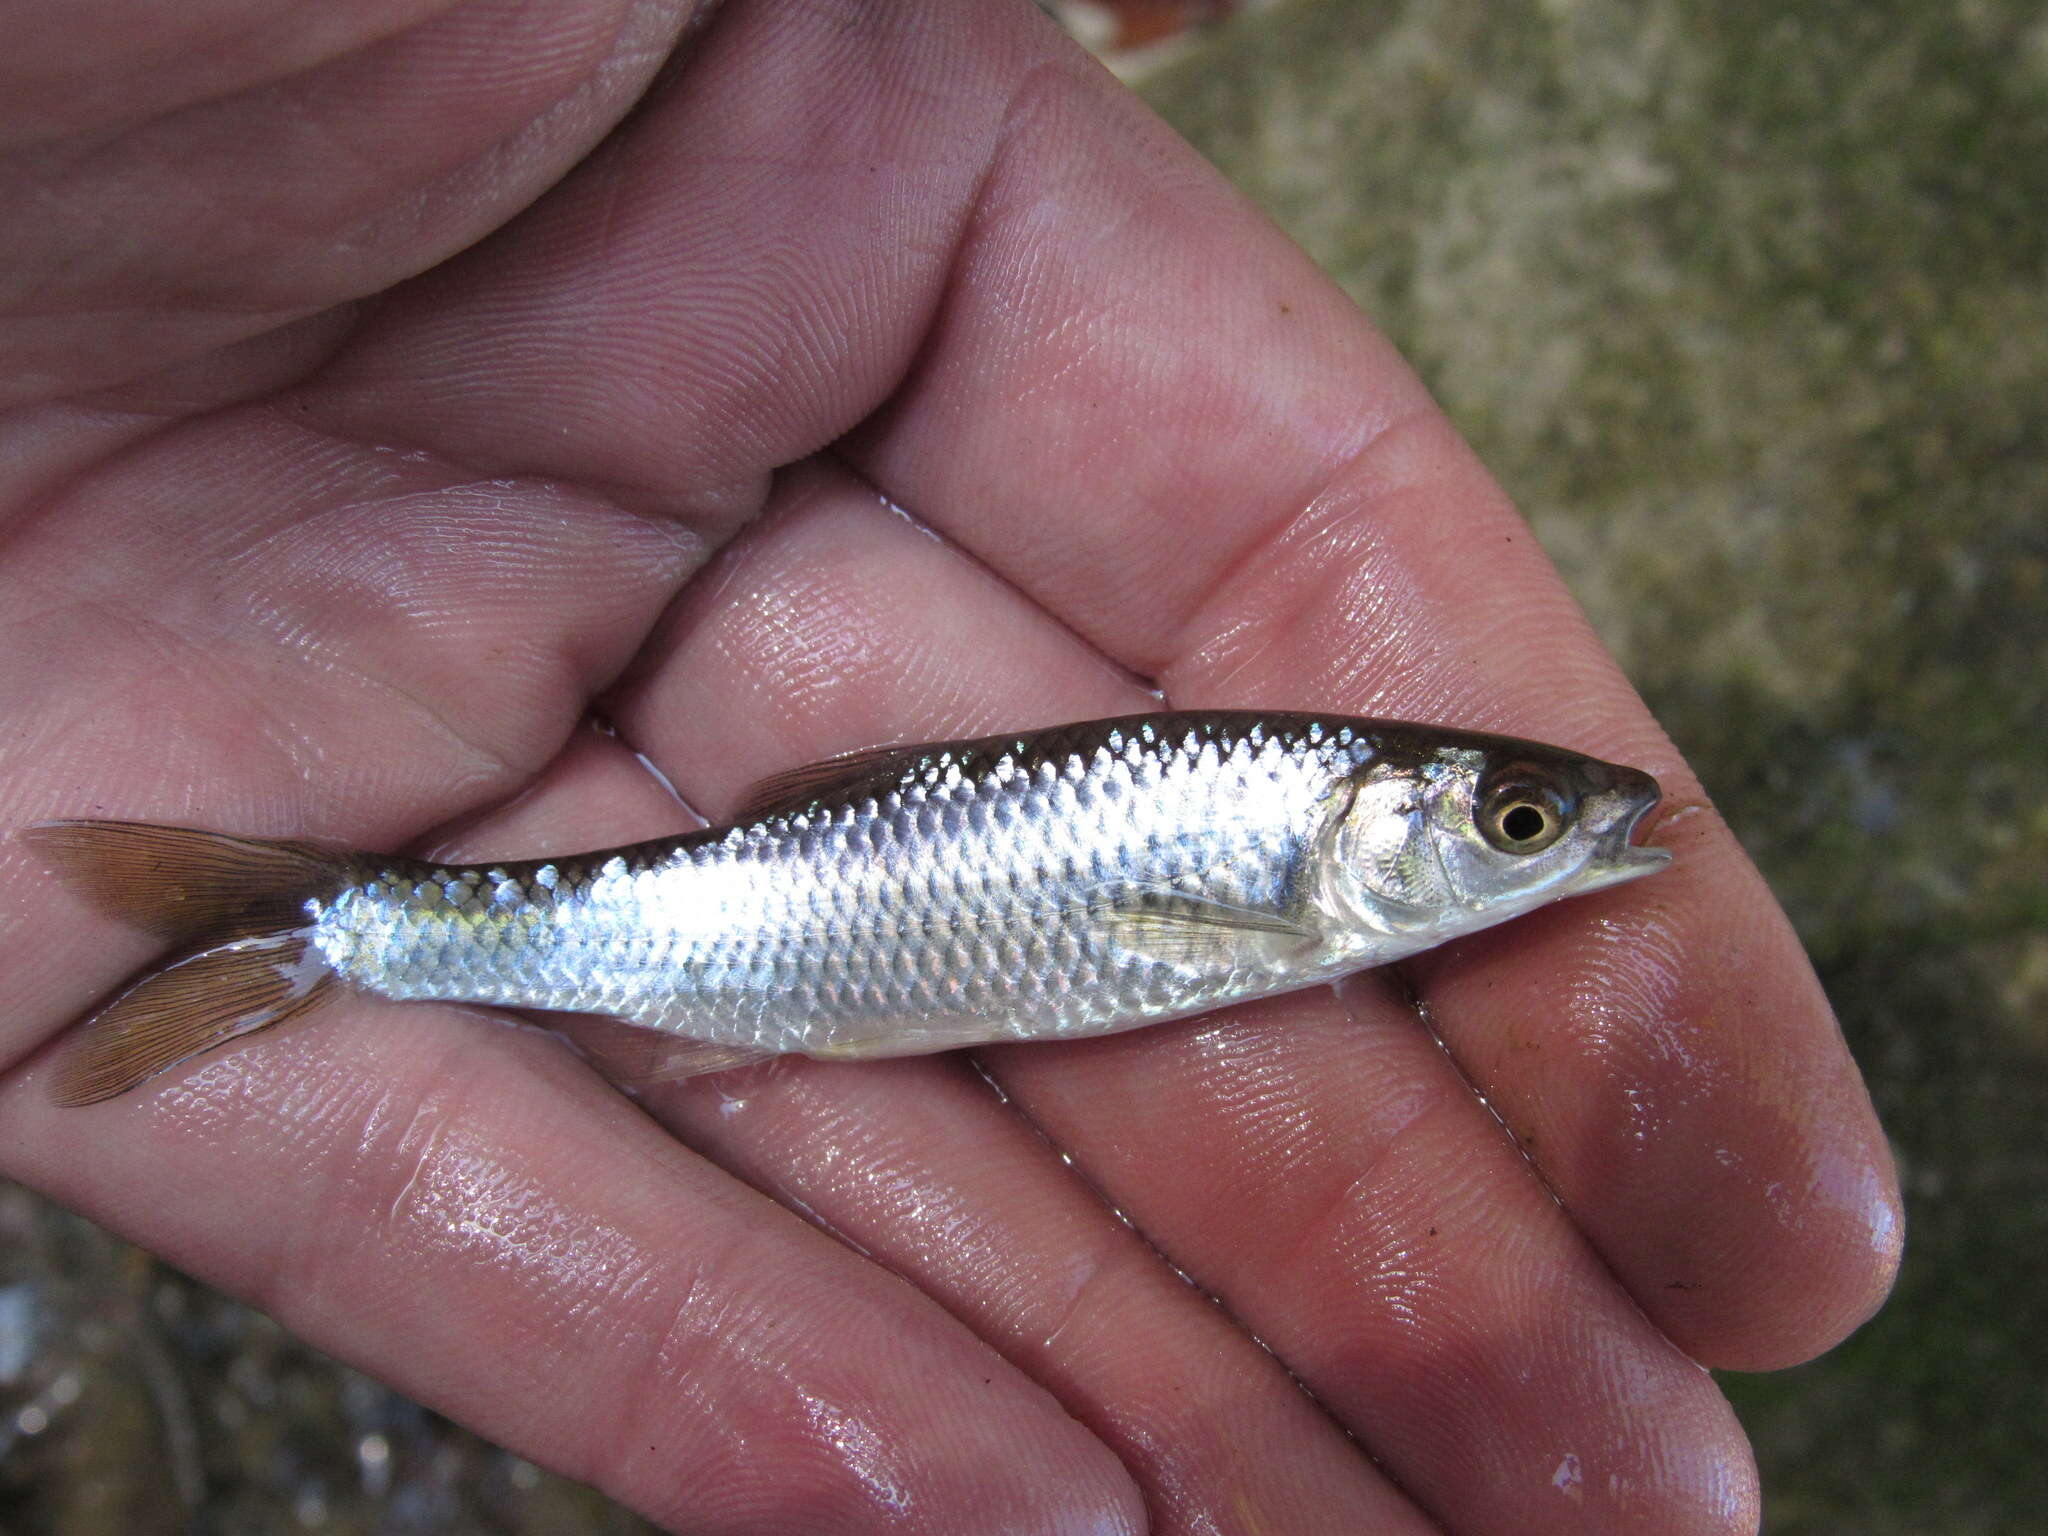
319 523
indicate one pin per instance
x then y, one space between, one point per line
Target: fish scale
978 894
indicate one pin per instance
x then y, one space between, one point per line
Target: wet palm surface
1743 304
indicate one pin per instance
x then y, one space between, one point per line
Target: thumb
179 179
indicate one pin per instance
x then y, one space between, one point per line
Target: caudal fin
236 906
191 1005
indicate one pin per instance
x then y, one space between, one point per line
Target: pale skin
297 546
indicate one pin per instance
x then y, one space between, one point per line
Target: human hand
279 562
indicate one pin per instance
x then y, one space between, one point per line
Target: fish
1053 884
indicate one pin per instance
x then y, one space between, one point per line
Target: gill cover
1384 847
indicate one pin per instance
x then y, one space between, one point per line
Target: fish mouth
1625 848
1617 855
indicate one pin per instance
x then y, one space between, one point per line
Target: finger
933 1176
738 277
92 66
1322 1169
136 244
1248 499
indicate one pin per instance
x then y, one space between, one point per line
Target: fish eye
1521 813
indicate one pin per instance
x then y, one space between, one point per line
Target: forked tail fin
237 909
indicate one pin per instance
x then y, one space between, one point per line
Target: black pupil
1522 822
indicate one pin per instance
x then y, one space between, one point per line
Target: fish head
1450 833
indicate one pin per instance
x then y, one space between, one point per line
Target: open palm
316 527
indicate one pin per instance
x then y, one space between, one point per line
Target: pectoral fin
1207 935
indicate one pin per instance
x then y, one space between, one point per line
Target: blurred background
1747 305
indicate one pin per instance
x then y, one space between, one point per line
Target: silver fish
1051 885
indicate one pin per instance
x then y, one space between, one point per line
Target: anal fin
633 1055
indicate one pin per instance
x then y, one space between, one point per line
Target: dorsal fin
870 770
